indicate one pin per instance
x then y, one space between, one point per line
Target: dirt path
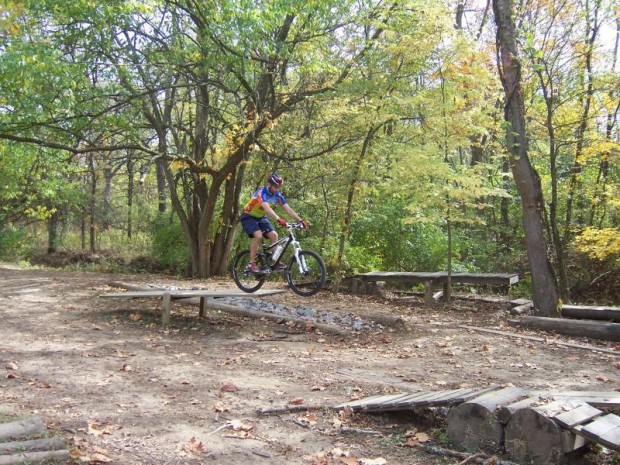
105 375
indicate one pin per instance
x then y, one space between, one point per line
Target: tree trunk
544 286
348 214
52 232
93 204
130 192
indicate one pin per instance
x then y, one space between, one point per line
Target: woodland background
132 132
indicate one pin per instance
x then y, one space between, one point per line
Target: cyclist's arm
270 212
291 212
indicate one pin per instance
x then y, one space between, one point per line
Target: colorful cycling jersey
255 206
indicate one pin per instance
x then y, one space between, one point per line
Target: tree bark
52 232
544 286
19 428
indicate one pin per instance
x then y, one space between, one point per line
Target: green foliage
385 237
169 245
12 245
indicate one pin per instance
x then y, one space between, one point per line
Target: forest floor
104 374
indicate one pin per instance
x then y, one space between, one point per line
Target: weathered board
167 295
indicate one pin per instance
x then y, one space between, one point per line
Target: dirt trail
105 375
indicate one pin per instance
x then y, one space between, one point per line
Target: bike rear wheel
307 277
246 280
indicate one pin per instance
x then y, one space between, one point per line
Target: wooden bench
168 295
432 279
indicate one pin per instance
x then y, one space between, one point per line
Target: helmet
275 179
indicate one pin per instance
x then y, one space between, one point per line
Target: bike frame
285 242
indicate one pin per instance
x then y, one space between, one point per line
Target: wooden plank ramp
409 401
529 427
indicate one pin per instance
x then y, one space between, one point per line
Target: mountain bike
305 270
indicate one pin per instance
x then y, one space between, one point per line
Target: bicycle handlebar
295 226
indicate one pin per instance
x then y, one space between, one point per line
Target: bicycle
305 271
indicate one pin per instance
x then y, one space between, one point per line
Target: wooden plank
420 399
375 403
431 398
408 397
601 426
453 397
412 400
446 396
611 439
600 399
188 293
370 401
582 414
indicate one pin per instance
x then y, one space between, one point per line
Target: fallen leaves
193 447
415 437
342 457
87 453
228 387
99 429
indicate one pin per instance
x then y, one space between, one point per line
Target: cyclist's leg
268 231
251 226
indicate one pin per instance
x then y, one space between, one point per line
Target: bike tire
245 279
311 280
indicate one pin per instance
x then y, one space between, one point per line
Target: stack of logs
25 441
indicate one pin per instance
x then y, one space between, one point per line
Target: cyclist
254 219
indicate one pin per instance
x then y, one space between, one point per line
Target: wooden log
34 457
473 425
540 339
533 436
31 445
591 313
580 328
22 428
287 409
505 411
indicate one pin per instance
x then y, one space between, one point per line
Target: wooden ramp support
205 296
541 434
473 425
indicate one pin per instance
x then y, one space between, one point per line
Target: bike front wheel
246 280
306 274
